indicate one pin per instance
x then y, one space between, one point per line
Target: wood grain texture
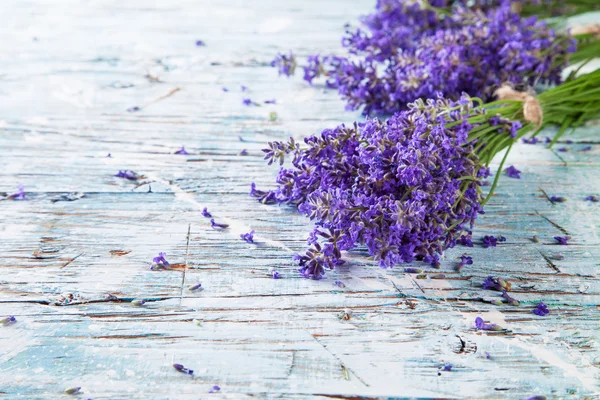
69 70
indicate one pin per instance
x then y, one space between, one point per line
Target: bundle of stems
568 106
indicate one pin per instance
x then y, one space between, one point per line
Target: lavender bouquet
414 50
410 187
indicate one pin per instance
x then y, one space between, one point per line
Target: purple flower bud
411 270
18 195
483 326
270 101
557 199
200 43
498 284
512 172
447 367
586 148
8 320
275 274
138 302
339 284
247 102
127 174
182 151
593 198
216 225
248 237
214 389
133 109
205 213
510 300
160 261
195 287
562 239
244 152
541 309
285 64
243 88
181 368
563 149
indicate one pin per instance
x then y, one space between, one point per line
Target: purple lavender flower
270 101
409 51
216 225
339 284
510 300
563 149
200 43
593 198
497 283
108 155
411 270
160 261
182 151
248 237
557 199
465 240
133 109
8 320
127 174
244 152
243 88
225 89
512 172
275 274
396 187
464 260
562 239
285 64
491 241
532 140
193 288
205 213
483 326
247 102
541 309
181 368
586 148
18 195
214 389
447 367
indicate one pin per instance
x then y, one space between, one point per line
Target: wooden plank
65 97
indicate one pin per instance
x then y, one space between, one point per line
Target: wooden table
70 70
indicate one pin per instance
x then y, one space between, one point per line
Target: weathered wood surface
69 71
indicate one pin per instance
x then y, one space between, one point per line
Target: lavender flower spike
541 309
248 237
512 172
481 325
181 368
216 225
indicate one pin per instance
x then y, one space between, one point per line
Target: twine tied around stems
593 29
532 110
